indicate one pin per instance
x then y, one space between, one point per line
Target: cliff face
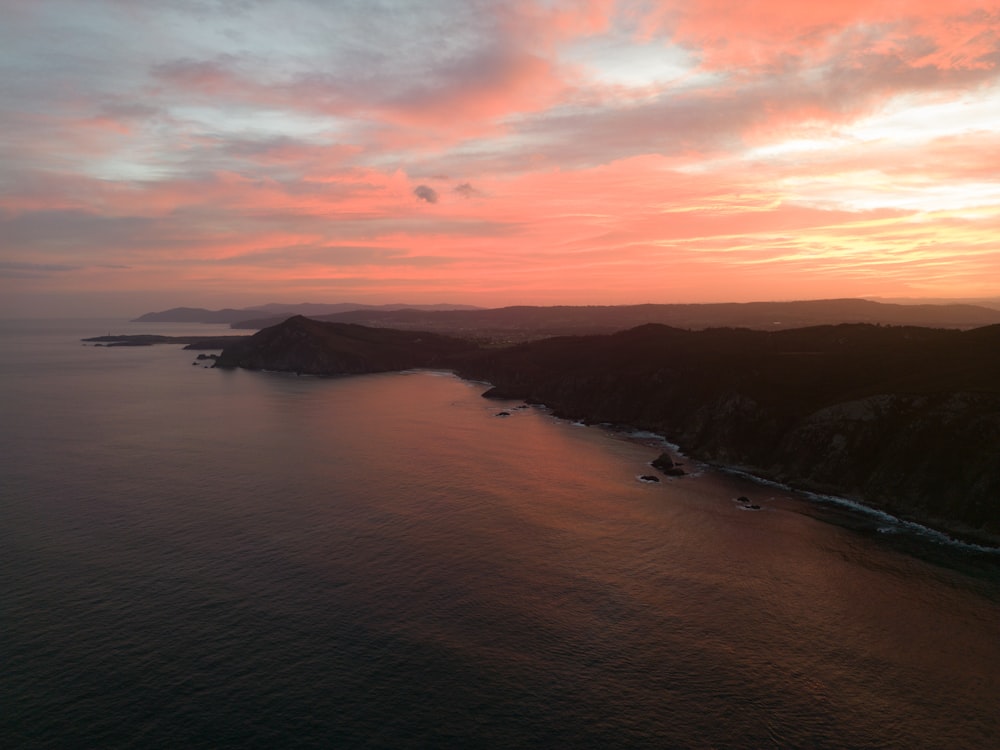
904 419
310 347
929 456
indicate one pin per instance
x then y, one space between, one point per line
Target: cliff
904 419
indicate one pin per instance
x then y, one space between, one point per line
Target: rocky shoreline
945 529
904 420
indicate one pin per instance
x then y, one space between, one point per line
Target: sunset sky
233 152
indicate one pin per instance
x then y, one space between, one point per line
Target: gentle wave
919 529
895 523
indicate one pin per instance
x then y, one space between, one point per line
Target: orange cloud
771 33
808 150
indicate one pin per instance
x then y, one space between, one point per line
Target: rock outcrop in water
905 419
666 464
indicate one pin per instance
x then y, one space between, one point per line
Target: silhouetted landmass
992 302
902 418
310 347
194 315
905 419
275 311
516 324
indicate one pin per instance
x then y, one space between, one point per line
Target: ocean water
213 559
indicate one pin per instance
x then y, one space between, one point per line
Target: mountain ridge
276 309
524 322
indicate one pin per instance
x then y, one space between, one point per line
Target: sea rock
663 462
667 465
649 478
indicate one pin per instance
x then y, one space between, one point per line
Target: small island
142 339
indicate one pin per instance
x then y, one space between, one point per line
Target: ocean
201 558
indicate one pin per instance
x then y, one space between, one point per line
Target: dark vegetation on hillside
310 347
903 418
906 419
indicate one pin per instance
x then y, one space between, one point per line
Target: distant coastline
145 339
521 323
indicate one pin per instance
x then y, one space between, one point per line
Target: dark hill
275 312
522 323
312 347
906 419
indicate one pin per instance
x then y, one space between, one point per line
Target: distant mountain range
993 302
506 325
274 310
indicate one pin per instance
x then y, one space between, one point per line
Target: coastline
938 530
726 434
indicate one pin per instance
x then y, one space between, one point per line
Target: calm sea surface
193 558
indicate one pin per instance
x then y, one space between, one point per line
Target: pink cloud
549 186
771 33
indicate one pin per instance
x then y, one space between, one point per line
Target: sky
217 153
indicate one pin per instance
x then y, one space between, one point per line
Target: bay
204 558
